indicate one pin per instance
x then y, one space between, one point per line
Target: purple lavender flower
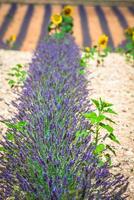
45 161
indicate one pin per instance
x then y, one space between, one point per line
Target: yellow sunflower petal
103 41
56 19
87 49
13 38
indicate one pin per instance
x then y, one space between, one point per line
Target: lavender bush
42 156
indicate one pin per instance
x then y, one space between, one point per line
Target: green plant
87 54
10 41
102 54
18 76
129 51
93 53
61 23
128 48
102 49
19 126
102 129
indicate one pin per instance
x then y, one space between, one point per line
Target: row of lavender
42 159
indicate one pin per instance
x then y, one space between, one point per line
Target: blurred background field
27 21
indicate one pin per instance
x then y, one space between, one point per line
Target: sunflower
129 31
87 49
56 19
67 10
12 38
103 40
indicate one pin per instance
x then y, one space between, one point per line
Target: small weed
128 48
18 76
97 52
100 122
10 41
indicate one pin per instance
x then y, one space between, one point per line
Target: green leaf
100 118
11 83
14 69
92 116
81 72
96 103
11 74
67 19
106 51
2 149
119 50
106 104
17 126
101 104
91 57
19 66
99 149
108 158
17 74
49 28
107 127
23 73
83 134
101 163
83 62
129 46
21 123
66 28
9 125
10 136
110 120
111 149
109 110
109 49
93 51
59 36
113 138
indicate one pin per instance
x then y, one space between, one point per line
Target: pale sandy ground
9 59
114 82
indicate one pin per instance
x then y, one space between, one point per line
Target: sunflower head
129 31
56 19
13 38
67 10
87 49
103 40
